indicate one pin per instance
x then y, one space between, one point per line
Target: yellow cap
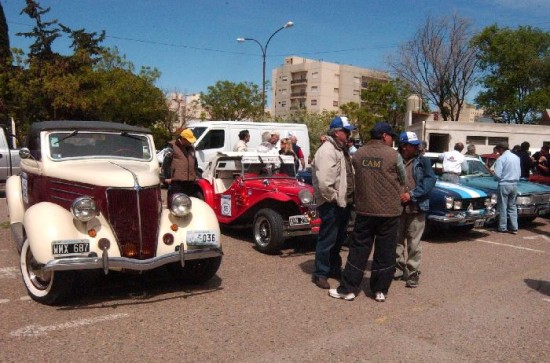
187 134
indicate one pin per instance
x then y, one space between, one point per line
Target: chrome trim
104 262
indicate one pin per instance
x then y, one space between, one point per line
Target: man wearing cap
332 175
453 164
180 166
418 185
507 173
379 183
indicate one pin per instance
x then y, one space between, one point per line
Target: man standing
379 183
525 161
269 142
416 202
332 175
180 166
244 138
300 160
507 173
453 164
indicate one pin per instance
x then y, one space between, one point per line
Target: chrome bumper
462 219
533 210
105 262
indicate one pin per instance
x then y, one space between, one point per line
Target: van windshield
198 131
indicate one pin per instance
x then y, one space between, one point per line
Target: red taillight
168 239
129 250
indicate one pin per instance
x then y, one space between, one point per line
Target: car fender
202 218
275 195
207 190
16 208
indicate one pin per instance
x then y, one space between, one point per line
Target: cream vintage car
89 197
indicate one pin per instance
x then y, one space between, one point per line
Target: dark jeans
382 232
332 234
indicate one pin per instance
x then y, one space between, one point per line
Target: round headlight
181 205
306 197
84 209
524 200
457 204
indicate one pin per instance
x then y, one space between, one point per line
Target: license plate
298 220
70 247
479 223
202 238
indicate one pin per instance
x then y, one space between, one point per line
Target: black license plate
67 248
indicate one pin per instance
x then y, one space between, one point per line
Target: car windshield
276 166
476 167
77 144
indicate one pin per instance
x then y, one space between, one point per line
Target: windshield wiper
75 132
126 134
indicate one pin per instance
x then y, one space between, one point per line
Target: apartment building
315 86
186 106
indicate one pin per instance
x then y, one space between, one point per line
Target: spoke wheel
268 231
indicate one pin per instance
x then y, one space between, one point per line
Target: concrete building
315 86
186 106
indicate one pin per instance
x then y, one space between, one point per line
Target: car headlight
524 200
84 209
457 204
494 199
181 205
306 197
449 202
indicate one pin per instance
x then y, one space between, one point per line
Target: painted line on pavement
3 301
537 237
546 299
38 330
511 246
25 298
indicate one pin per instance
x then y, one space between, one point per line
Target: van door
212 141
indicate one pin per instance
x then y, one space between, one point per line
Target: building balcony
301 94
300 80
296 108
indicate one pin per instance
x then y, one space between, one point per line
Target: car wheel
268 231
46 287
195 271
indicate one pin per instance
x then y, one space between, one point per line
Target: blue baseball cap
382 128
341 122
409 137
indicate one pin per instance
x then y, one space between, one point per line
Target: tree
516 72
44 32
229 101
317 125
439 63
5 61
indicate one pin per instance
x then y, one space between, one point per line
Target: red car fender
207 191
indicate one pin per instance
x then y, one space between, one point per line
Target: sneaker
335 294
321 282
379 296
514 232
412 281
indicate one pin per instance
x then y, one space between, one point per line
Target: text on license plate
298 220
202 238
71 247
479 223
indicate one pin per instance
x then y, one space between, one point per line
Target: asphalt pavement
483 296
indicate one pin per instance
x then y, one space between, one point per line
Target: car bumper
106 263
309 229
533 210
462 219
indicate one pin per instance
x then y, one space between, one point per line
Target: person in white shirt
453 164
269 142
244 138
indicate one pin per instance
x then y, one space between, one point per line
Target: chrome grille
134 216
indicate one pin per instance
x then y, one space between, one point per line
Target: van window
197 131
214 139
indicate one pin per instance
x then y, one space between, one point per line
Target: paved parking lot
483 296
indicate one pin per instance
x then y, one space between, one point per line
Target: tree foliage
439 63
317 125
516 72
92 83
229 101
5 60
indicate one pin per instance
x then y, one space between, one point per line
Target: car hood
289 186
108 173
460 191
489 183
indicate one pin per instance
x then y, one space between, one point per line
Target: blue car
451 205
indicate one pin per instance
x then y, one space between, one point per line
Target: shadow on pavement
539 285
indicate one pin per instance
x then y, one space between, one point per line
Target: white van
214 136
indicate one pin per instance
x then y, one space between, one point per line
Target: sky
193 42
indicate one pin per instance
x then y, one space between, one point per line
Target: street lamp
264 52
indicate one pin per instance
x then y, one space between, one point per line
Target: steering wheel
126 152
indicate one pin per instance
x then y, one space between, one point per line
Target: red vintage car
260 190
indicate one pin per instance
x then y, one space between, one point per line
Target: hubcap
263 232
38 277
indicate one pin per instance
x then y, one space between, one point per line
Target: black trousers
177 186
368 231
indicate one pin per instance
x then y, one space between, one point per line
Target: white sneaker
379 296
335 294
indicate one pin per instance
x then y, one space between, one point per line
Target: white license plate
298 220
479 223
202 238
71 247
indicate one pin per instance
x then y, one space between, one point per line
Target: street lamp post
264 52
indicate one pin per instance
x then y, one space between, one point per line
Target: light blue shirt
507 168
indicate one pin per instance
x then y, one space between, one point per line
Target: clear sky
193 42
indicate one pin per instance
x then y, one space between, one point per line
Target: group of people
389 191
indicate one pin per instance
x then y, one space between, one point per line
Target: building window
283 104
336 91
315 75
284 78
337 75
314 102
283 91
476 140
314 89
356 92
497 140
356 80
335 103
